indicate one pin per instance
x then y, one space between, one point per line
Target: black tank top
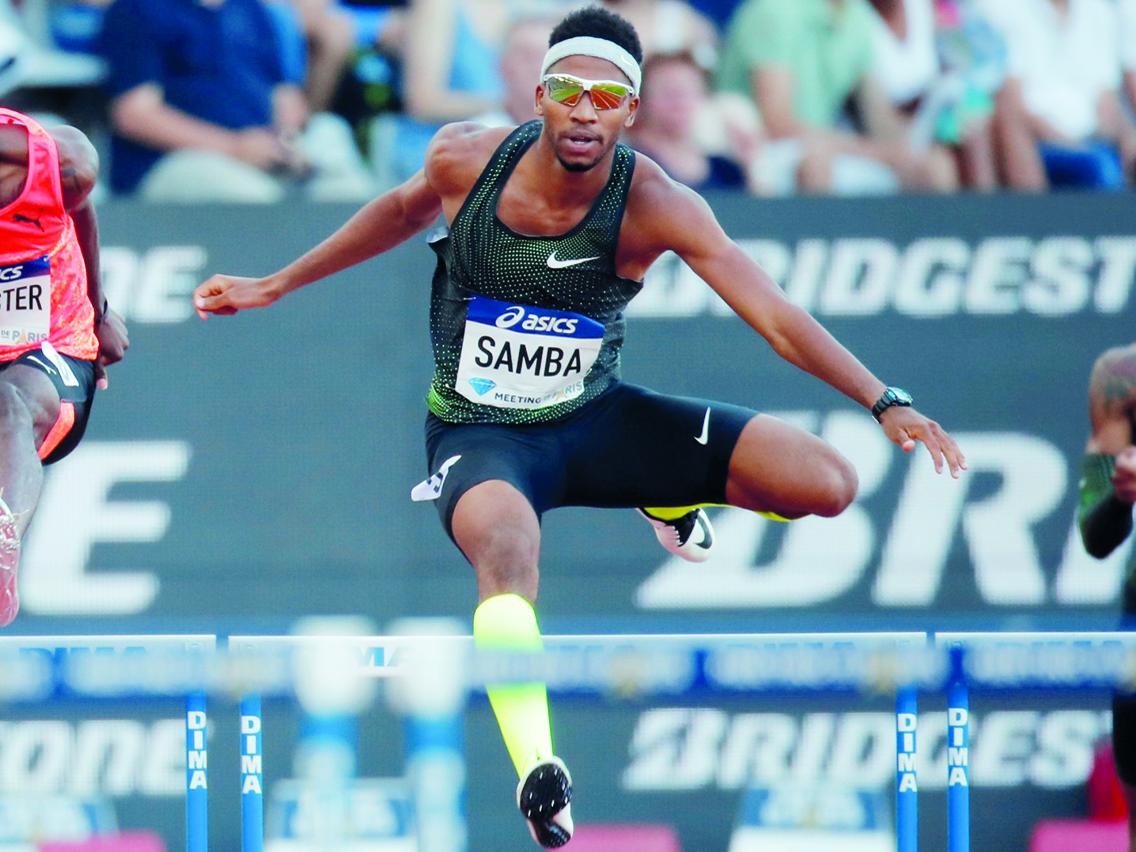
526 329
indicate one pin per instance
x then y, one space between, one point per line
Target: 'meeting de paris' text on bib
517 356
25 302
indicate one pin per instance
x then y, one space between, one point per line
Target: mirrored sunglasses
567 89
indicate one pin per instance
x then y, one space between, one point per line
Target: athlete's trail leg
777 467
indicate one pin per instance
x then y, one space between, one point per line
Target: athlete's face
581 136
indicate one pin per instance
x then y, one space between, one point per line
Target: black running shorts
74 380
630 447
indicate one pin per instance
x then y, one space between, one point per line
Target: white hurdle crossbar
423 668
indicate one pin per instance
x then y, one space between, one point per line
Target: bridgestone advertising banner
243 472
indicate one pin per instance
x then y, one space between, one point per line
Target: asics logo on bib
535 322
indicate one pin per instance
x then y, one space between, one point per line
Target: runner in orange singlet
56 333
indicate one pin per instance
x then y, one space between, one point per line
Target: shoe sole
546 793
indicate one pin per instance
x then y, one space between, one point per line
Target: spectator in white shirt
1060 121
943 109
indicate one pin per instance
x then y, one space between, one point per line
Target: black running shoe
544 796
690 536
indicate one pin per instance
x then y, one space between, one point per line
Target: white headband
598 47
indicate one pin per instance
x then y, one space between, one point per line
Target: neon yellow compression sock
508 623
669 513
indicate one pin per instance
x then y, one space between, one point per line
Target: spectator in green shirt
805 63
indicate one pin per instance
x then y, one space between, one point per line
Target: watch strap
891 396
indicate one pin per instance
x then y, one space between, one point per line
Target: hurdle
94 666
1018 661
609 666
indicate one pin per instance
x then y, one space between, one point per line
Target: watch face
900 395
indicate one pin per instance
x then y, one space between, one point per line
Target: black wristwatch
891 396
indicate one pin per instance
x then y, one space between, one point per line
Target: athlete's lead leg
498 531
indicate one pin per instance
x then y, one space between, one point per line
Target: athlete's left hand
113 343
904 426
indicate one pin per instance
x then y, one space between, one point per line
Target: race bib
25 302
517 356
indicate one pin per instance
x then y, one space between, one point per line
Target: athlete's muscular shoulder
1112 399
458 154
663 215
78 164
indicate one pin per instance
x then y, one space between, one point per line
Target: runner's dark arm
1108 470
78 171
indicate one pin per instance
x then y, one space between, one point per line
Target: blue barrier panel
906 784
196 775
252 776
958 763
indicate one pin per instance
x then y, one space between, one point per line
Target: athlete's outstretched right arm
455 158
391 219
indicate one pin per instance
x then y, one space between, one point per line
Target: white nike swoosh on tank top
553 263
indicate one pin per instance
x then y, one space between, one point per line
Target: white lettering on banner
74 514
1115 281
819 559
1065 740
998 529
675 749
1083 580
110 757
113 749
691 749
859 278
1000 268
929 277
152 286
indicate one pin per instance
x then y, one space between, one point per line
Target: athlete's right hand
227 294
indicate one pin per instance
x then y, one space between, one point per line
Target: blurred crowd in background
336 100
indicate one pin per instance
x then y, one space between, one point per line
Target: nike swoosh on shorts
705 436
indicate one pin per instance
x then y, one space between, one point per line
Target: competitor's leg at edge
29 406
498 531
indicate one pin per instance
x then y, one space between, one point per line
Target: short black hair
597 22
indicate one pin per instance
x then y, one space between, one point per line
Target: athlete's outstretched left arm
78 171
688 227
